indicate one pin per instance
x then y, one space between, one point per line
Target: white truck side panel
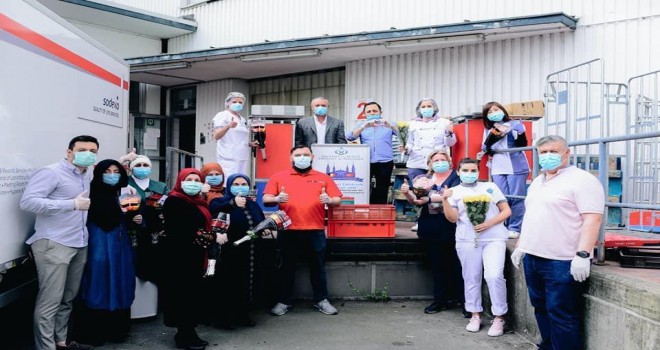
57 83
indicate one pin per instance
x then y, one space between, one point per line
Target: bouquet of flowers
476 207
403 136
278 221
422 185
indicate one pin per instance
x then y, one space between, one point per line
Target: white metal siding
237 22
210 101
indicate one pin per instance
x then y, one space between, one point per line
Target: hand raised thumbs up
81 202
282 197
446 192
405 188
325 199
240 200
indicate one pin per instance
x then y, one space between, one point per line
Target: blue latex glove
518 126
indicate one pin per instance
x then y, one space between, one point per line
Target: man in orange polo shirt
303 194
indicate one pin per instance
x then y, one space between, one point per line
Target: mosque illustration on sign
342 174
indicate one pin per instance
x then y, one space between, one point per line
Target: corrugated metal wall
299 90
248 22
210 101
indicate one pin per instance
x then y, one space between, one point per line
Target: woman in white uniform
230 130
481 247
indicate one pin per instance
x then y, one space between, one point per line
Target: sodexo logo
108 102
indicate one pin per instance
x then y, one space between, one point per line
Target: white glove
128 157
137 219
516 257
325 199
240 201
206 188
221 239
81 202
580 268
282 197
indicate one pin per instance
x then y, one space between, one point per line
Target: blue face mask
302 162
321 110
214 180
550 161
84 158
441 166
111 178
496 116
141 172
236 107
373 116
243 190
469 178
191 188
426 112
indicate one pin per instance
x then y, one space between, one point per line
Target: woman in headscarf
147 268
187 219
236 270
108 283
215 177
230 130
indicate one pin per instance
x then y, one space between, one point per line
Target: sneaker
474 325
74 345
325 307
497 328
435 307
514 234
414 228
280 309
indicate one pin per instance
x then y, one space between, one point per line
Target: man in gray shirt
57 194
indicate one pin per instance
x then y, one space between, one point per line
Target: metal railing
176 159
602 176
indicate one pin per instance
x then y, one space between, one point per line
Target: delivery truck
55 83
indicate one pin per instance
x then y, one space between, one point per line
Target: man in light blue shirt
57 194
377 133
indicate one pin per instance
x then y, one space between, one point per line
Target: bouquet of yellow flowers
477 207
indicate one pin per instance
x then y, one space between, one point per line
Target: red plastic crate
361 229
362 212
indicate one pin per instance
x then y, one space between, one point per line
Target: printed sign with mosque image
348 165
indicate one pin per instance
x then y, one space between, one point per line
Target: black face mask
302 171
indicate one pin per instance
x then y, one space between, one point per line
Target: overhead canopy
122 18
310 54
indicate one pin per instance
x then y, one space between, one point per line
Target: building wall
249 22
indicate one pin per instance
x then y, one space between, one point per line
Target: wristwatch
582 254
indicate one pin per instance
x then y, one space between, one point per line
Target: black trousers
383 174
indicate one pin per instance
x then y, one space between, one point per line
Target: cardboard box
520 110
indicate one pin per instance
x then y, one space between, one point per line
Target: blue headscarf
230 180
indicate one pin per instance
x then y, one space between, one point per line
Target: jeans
557 301
292 244
516 185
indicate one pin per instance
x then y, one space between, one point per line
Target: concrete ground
359 325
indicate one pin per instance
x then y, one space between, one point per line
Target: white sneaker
325 307
414 228
474 325
514 234
497 328
279 309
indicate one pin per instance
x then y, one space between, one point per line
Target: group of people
87 238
